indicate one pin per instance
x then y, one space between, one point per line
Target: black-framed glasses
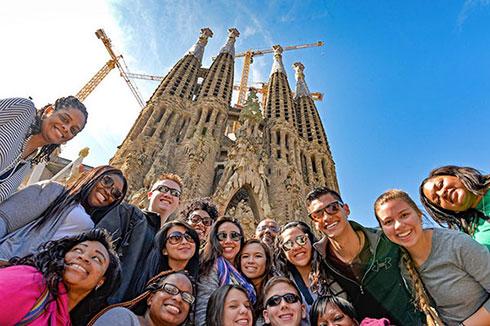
276 299
300 240
329 209
205 220
172 191
233 235
173 290
108 182
177 237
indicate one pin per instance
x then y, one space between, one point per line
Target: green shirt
482 230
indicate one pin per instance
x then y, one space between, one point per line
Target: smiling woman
29 136
166 301
48 210
64 277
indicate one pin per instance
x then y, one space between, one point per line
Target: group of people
78 254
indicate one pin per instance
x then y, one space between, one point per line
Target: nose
398 224
243 310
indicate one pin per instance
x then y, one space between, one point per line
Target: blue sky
406 83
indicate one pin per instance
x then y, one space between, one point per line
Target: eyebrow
100 253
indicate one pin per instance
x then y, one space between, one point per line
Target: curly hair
204 204
212 250
63 103
49 259
79 190
474 181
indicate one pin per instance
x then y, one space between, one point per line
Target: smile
100 196
78 267
404 234
286 317
331 226
242 321
173 309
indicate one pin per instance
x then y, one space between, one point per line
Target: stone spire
197 49
301 87
277 66
229 47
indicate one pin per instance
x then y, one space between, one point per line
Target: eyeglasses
276 299
234 236
172 191
173 290
205 220
300 240
271 228
108 182
177 237
330 209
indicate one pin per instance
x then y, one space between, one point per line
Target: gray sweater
457 275
118 316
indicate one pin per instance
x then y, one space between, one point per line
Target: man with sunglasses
283 305
134 230
267 231
362 260
201 215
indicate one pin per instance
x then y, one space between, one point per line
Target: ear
149 194
150 299
164 252
265 313
101 282
346 209
303 311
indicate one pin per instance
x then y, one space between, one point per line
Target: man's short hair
200 204
320 191
170 176
281 279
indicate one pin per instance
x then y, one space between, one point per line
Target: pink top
21 286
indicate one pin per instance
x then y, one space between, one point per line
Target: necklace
360 244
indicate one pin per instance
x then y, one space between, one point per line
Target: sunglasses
329 209
177 237
276 299
300 240
107 182
234 236
173 290
271 228
205 220
172 191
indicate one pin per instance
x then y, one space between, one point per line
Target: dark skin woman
64 277
30 136
49 210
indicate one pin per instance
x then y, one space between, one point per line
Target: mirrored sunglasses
300 240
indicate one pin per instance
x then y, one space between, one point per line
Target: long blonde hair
422 299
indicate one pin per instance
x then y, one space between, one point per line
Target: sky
406 83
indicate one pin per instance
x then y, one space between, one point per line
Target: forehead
281 289
180 281
291 233
393 207
228 227
93 246
200 212
166 182
321 201
253 248
76 115
176 228
268 222
235 294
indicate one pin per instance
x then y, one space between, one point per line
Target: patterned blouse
16 117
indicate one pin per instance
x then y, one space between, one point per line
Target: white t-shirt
76 222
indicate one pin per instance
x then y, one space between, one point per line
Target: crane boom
95 80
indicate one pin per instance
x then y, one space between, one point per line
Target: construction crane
115 61
248 60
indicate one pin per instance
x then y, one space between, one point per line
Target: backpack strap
37 310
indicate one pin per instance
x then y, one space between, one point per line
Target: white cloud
468 7
50 50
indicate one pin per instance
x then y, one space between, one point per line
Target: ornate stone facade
265 170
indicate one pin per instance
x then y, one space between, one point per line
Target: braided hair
422 300
474 181
62 103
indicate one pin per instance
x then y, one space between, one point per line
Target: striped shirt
16 117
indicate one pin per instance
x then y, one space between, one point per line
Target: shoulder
17 105
448 240
118 316
20 278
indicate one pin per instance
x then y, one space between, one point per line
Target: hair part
216 304
474 181
320 305
281 279
394 194
63 103
204 204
